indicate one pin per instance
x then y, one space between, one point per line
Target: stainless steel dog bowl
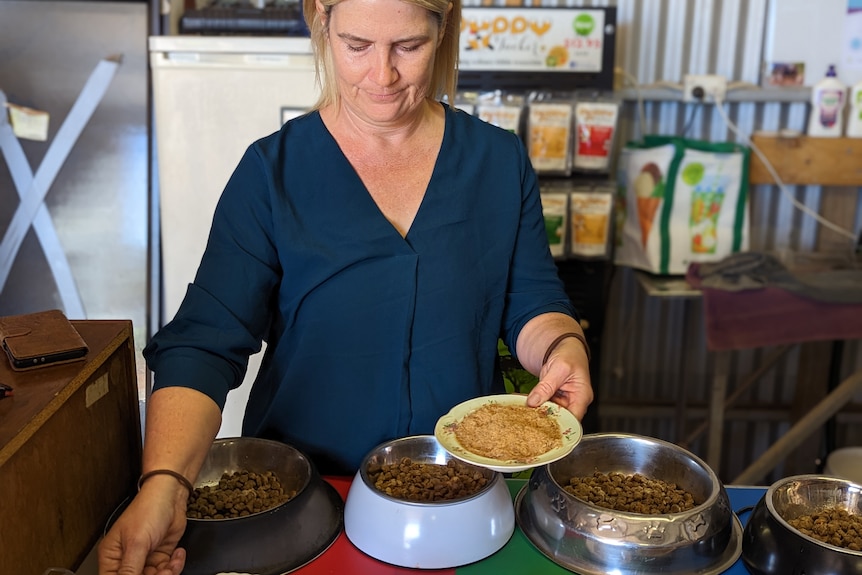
592 540
274 541
771 546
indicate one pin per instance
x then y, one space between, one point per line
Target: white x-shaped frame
32 188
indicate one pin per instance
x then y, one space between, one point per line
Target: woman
380 245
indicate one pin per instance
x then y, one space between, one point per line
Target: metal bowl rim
811 477
654 440
717 486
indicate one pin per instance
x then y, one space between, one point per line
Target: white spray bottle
828 98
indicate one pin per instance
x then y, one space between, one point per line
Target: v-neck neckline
444 143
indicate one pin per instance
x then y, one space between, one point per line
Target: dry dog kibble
633 493
832 525
509 432
237 494
416 481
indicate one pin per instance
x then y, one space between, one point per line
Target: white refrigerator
212 97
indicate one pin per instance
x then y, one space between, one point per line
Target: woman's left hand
565 379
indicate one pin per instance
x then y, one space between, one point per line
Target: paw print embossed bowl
594 540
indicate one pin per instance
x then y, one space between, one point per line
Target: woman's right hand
181 424
143 540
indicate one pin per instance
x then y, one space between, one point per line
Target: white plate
570 428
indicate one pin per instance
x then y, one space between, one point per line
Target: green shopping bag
680 201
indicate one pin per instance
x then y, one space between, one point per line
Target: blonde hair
444 77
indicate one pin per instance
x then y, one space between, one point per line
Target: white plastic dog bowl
426 535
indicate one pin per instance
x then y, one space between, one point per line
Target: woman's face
383 55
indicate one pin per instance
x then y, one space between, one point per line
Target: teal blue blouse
370 335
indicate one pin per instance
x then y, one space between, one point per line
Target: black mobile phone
47 359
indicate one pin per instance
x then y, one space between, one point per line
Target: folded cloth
750 270
751 300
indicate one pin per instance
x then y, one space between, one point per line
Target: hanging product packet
549 134
502 109
590 209
596 117
681 201
466 101
555 209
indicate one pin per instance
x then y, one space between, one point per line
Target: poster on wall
532 39
853 36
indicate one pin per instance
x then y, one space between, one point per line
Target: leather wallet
41 339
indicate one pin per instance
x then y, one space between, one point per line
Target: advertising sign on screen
532 39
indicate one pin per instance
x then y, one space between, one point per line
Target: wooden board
803 160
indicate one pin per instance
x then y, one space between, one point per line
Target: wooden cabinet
70 451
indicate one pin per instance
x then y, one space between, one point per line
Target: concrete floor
98 203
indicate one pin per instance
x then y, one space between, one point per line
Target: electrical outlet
704 88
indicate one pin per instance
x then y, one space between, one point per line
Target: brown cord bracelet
557 341
178 476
